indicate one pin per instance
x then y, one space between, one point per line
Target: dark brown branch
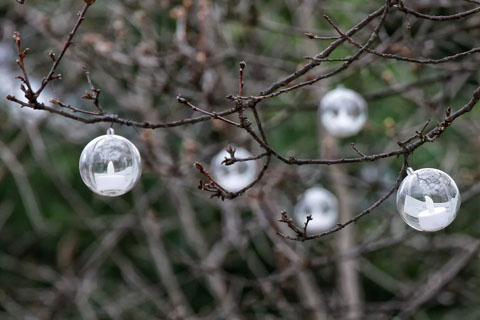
359 215
456 16
95 91
317 37
113 118
233 159
297 74
403 58
21 63
329 74
208 113
218 191
68 43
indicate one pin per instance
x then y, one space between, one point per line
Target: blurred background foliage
166 250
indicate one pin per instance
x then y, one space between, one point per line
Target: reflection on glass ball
428 199
343 112
236 176
322 205
110 165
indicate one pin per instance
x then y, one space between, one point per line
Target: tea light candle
433 219
110 181
99 158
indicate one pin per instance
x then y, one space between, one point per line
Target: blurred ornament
428 199
236 176
110 165
343 112
6 54
322 205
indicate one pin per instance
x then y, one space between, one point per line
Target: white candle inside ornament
433 219
110 165
415 199
111 181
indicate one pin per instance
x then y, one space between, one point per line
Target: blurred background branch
168 250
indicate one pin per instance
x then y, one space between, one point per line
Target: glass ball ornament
236 176
428 199
343 112
321 204
110 165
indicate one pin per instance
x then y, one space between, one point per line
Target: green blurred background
168 251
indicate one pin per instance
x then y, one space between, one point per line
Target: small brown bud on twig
87 96
230 150
52 56
448 111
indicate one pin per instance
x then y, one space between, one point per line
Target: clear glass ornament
428 199
236 176
322 205
110 165
343 112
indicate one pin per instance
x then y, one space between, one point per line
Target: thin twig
67 44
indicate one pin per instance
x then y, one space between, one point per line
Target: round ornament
428 199
110 165
322 205
236 176
343 112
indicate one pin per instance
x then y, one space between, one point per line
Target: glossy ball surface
236 176
322 205
343 112
110 165
425 187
